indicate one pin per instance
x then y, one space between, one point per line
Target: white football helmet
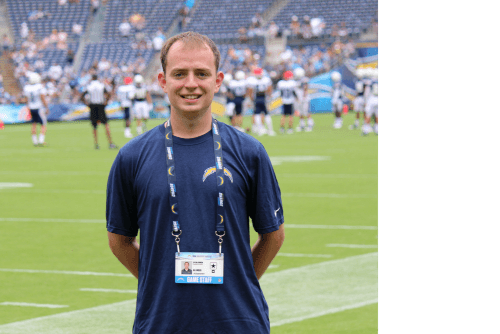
227 78
34 78
299 73
240 75
138 79
336 76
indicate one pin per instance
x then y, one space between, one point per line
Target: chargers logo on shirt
211 170
217 145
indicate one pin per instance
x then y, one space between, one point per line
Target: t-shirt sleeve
266 208
121 209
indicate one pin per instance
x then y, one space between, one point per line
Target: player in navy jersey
171 183
260 89
359 100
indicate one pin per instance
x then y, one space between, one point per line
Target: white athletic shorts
372 107
230 109
141 110
303 108
359 104
337 106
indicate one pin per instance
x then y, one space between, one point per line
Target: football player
36 94
238 92
142 103
303 100
260 89
337 96
125 94
287 88
371 111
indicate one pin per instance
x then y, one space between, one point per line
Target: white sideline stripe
53 220
102 221
10 185
64 272
60 191
297 158
351 246
322 176
273 266
58 173
310 291
33 305
108 290
325 312
304 255
332 227
319 195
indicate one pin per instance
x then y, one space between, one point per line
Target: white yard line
304 255
335 176
331 227
32 305
293 295
108 290
351 246
13 185
53 220
64 272
326 195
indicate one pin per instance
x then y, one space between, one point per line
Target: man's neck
190 127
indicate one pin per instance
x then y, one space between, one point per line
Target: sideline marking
297 158
62 191
328 195
332 227
33 305
351 246
303 255
108 290
53 220
337 176
10 185
310 291
64 272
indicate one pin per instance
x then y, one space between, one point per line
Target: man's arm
126 249
266 248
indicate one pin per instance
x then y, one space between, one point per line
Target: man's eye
202 74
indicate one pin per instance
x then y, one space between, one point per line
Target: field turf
55 256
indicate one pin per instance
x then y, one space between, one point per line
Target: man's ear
162 81
218 81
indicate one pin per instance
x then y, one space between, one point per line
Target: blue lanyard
219 172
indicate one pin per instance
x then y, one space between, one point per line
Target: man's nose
191 81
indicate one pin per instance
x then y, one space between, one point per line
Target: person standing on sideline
338 94
97 95
303 100
288 94
142 103
125 94
177 184
260 89
35 94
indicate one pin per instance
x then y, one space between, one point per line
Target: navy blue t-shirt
138 199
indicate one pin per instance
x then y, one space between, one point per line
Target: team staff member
139 197
97 94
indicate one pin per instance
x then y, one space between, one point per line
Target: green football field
57 274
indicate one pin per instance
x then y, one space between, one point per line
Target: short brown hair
189 37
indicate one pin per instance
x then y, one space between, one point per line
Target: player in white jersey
359 100
371 111
337 96
125 94
35 94
238 92
229 107
287 88
260 89
142 103
303 100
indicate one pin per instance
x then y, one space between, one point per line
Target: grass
69 182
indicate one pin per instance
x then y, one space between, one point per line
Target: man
169 180
303 101
288 95
371 111
237 92
337 96
35 94
186 270
142 103
97 95
359 100
260 89
124 94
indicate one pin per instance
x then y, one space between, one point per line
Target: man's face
190 78
186 266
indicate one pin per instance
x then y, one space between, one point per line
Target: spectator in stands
62 36
257 20
137 21
55 72
343 31
38 14
273 30
305 29
62 2
103 65
183 17
125 28
6 44
334 31
158 39
24 32
70 58
94 4
295 26
317 26
77 29
53 38
242 35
